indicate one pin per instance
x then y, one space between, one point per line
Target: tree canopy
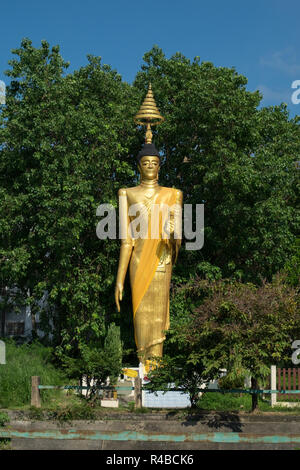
68 143
236 326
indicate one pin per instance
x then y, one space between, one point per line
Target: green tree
221 150
65 142
96 359
68 143
292 266
182 370
243 328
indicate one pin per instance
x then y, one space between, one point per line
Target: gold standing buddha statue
150 259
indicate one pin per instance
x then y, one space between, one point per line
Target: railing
36 387
288 379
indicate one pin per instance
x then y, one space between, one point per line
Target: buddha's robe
150 274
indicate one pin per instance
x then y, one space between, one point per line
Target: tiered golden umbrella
148 115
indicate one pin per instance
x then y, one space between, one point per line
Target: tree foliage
64 150
220 149
182 370
240 327
98 359
292 266
68 143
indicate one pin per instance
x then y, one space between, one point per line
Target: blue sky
259 38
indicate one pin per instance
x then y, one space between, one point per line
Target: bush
4 419
228 383
95 360
78 411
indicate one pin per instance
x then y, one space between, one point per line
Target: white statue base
110 403
172 399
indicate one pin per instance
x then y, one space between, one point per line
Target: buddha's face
149 167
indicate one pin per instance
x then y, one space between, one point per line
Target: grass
23 362
4 419
237 402
76 411
224 402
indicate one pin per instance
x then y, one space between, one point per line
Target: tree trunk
254 386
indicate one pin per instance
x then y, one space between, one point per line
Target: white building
20 322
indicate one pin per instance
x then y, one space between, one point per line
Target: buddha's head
149 162
149 167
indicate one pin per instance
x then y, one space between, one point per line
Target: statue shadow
214 420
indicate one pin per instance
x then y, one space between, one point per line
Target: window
15 328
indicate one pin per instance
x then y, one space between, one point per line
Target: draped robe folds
150 275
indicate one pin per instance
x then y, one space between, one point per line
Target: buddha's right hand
118 295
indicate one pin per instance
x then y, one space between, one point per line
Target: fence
287 382
36 387
288 377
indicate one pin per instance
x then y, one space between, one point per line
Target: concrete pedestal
110 403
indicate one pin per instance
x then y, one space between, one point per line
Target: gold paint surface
148 115
150 260
150 269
